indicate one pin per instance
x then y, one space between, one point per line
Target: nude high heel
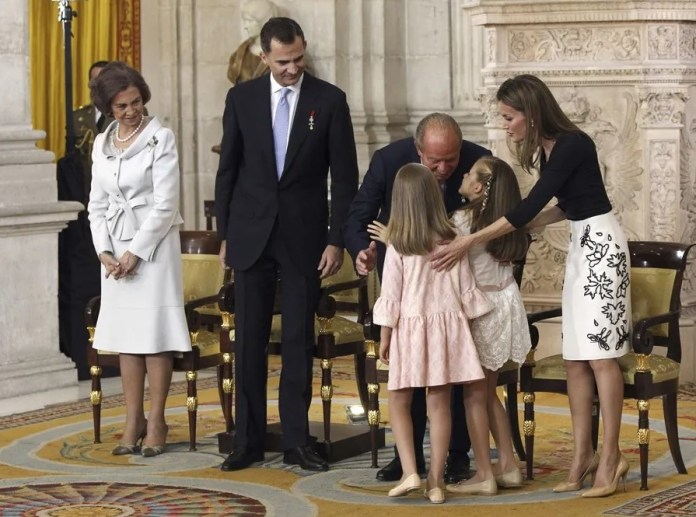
574 486
124 448
148 451
411 483
603 491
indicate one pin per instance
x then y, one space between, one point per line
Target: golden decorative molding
91 330
643 436
95 397
226 358
128 32
326 392
194 337
326 364
227 385
324 325
528 427
373 417
225 316
95 371
643 405
373 388
642 363
191 376
371 346
528 398
191 404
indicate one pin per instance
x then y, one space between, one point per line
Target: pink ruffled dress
429 312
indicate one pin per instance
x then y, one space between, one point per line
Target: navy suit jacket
249 197
373 201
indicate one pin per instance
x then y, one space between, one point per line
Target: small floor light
356 414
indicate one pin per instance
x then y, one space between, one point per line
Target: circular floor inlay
121 500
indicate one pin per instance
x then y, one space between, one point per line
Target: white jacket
135 196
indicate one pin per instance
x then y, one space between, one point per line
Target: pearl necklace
131 134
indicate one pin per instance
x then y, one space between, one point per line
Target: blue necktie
280 130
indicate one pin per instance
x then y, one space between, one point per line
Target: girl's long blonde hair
418 218
501 193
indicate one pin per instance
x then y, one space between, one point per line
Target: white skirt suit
134 206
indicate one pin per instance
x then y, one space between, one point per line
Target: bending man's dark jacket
373 201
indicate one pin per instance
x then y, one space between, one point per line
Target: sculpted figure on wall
245 62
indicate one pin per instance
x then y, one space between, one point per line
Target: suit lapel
307 105
262 108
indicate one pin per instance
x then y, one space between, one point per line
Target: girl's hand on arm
377 231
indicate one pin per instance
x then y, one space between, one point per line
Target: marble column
30 219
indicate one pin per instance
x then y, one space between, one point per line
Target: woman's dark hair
115 77
285 30
544 117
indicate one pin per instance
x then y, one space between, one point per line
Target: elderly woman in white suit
134 219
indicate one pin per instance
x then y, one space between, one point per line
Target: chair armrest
642 339
337 287
534 317
92 311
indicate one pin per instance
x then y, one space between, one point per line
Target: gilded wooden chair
202 280
376 373
657 270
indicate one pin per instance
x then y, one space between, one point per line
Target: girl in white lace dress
424 315
502 334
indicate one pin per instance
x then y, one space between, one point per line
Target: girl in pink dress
424 315
501 335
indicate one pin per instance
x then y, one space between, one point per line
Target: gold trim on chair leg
192 406
643 440
528 428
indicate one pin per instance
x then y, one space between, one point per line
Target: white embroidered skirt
596 291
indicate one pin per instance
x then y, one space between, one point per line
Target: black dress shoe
240 459
457 468
392 471
306 458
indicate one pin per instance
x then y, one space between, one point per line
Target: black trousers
255 290
459 441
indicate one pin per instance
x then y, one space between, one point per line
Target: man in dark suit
282 133
439 146
88 122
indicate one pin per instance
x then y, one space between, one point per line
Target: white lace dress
502 334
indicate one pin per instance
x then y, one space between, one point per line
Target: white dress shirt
292 98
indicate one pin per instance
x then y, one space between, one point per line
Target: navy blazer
373 201
249 197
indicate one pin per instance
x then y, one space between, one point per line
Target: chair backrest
657 271
209 213
202 274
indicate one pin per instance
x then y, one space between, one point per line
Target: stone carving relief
687 42
687 186
663 195
491 38
662 108
573 44
662 42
